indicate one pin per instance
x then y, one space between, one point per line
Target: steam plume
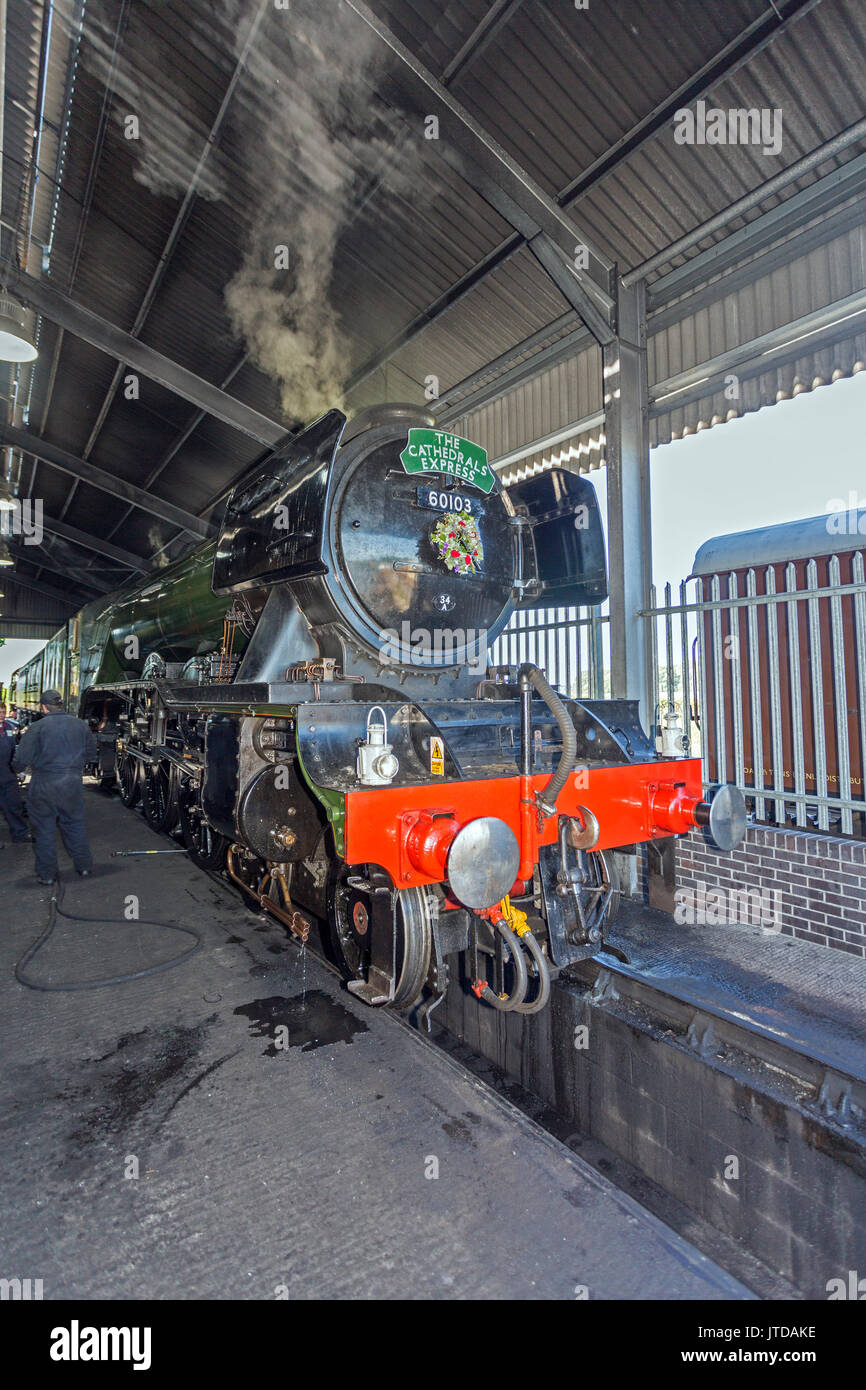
316 142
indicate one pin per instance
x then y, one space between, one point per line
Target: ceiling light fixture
16 342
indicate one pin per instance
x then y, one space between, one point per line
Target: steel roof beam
95 544
499 14
829 150
47 590
56 566
108 338
815 201
822 328
97 477
749 42
567 279
501 181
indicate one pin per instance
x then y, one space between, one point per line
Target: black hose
533 946
55 911
548 796
521 973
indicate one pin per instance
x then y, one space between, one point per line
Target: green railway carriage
25 684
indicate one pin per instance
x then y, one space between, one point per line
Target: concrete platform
806 997
264 1170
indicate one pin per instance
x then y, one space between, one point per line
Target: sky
788 461
791 460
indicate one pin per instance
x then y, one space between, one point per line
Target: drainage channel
736 1134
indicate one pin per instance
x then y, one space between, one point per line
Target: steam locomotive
308 701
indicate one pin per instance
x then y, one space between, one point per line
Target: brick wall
812 886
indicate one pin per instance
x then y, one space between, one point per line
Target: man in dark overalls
10 796
56 748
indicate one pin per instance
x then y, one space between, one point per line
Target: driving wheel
377 933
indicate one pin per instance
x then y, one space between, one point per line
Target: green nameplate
434 451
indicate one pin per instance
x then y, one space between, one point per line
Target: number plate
442 500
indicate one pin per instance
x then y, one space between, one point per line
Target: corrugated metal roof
665 189
572 390
569 93
828 273
562 85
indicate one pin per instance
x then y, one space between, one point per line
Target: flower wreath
458 543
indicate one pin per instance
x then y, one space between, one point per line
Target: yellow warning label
437 757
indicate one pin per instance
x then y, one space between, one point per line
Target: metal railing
777 661
571 645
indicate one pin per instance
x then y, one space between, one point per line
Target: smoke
309 141
160 553
317 144
163 130
289 327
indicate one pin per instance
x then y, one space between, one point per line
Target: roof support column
628 502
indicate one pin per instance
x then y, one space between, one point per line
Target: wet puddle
306 1021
